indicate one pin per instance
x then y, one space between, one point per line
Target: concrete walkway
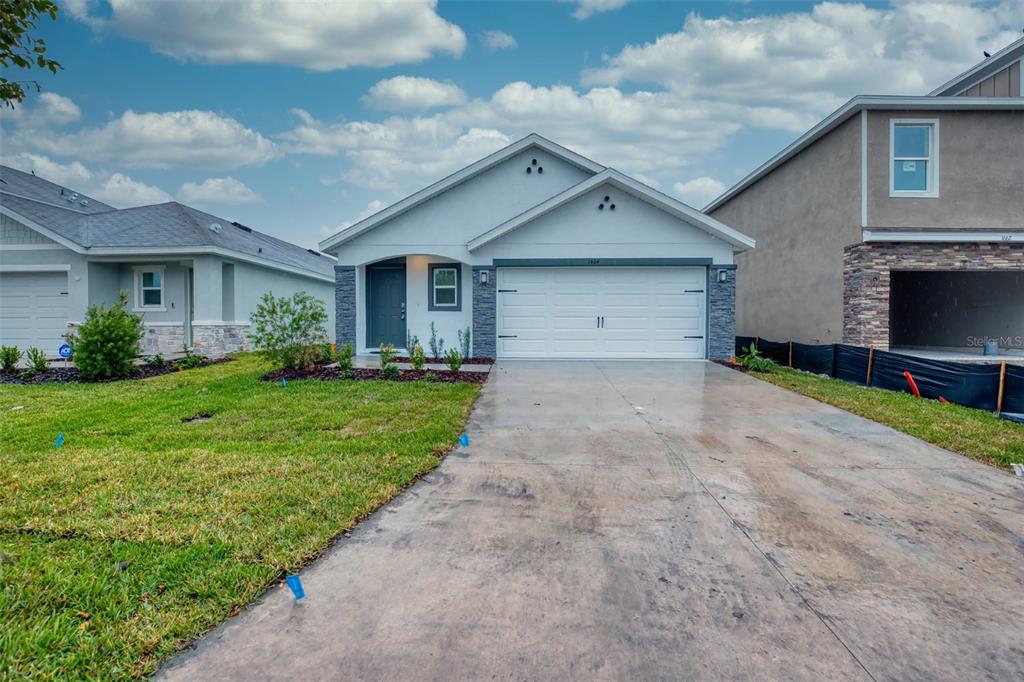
643 520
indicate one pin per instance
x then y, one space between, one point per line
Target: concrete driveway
656 520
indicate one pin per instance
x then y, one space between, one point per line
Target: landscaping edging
69 375
332 373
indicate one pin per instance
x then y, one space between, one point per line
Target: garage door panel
33 309
646 312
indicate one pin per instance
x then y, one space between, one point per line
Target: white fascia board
58 267
1006 237
470 171
46 232
870 103
170 251
982 69
664 202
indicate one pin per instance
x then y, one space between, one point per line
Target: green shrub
156 361
416 357
752 359
464 342
411 341
325 353
436 344
37 362
9 357
388 369
289 331
107 342
189 360
454 360
344 357
391 372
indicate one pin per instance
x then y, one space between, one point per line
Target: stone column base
217 340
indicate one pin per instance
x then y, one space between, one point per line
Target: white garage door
34 310
601 312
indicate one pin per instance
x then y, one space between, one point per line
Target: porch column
345 304
721 337
485 310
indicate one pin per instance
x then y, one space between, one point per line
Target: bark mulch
324 373
444 361
67 375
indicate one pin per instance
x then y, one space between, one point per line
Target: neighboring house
896 222
195 278
541 253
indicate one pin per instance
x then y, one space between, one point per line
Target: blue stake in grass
295 585
60 439
464 440
284 382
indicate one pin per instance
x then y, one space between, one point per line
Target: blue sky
298 118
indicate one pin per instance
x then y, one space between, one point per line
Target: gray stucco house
896 222
541 253
195 278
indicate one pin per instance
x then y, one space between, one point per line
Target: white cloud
49 109
698 192
410 93
116 189
374 206
321 36
587 8
498 40
161 140
225 190
808 63
121 191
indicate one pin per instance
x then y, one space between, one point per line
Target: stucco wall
252 281
802 215
981 175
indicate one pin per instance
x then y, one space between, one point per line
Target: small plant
37 362
9 357
411 341
156 361
417 358
752 359
391 372
189 360
435 350
107 341
464 341
385 354
454 360
348 373
290 331
325 354
344 358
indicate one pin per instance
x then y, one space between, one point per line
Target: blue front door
385 304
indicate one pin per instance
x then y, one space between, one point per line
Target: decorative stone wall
721 314
216 340
485 311
345 304
866 268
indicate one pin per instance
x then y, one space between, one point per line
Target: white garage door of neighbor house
601 312
34 310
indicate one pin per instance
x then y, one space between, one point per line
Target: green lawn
975 433
141 531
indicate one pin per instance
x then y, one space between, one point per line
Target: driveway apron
658 520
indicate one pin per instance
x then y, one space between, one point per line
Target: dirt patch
324 373
198 418
67 375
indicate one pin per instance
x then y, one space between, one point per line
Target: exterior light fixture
484 276
722 275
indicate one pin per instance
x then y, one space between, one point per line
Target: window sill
913 195
152 309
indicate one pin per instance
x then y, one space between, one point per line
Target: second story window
914 168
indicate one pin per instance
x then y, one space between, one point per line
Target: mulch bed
68 375
324 373
444 361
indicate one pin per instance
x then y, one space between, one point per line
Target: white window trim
454 287
139 307
933 162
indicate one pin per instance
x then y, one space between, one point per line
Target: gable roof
170 227
982 70
469 172
866 103
674 207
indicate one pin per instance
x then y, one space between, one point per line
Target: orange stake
913 384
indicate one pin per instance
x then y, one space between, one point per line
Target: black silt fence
977 385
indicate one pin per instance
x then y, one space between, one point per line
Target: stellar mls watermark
1001 341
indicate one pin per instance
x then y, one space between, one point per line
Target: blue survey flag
284 382
295 585
464 440
60 439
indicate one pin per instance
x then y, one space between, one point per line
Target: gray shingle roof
169 225
13 181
